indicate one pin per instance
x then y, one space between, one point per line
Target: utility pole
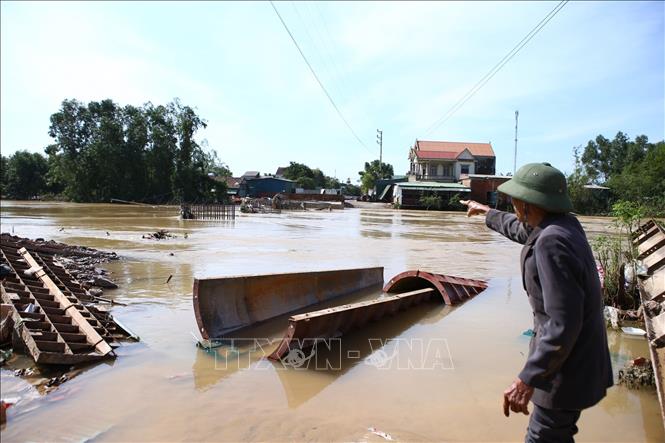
517 113
379 141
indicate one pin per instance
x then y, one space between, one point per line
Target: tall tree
146 153
374 171
25 175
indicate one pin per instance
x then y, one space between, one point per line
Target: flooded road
166 389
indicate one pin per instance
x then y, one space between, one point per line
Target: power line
332 102
492 72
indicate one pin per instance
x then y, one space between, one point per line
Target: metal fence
214 211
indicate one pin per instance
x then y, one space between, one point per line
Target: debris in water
158 235
634 331
178 376
103 282
637 373
25 372
169 279
611 317
3 411
381 434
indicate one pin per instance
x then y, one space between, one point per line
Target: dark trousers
552 425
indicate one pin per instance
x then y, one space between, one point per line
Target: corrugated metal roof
481 149
385 191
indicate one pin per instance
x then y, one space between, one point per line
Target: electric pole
517 113
379 141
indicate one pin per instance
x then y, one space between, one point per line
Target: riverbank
172 390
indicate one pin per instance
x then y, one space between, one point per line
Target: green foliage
3 175
308 178
351 189
430 201
628 215
148 153
454 204
306 183
374 171
24 175
616 252
633 170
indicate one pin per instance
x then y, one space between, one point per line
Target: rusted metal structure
212 211
412 287
453 290
306 329
223 305
52 313
650 243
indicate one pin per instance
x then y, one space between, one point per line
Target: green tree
25 175
148 153
308 178
430 201
374 171
297 170
306 183
633 170
351 189
3 175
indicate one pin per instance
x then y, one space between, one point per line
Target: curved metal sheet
305 330
226 304
453 290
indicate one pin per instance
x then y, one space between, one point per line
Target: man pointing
568 368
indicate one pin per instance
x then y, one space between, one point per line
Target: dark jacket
569 362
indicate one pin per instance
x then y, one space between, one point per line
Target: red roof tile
476 149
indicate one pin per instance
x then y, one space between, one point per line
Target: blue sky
596 68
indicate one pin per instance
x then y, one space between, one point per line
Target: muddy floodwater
166 389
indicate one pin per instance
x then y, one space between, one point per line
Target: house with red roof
442 161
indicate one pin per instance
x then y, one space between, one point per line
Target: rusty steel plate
306 329
223 305
453 290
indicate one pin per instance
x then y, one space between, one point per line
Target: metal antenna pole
379 140
517 113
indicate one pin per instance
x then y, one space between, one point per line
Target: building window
432 170
447 171
465 169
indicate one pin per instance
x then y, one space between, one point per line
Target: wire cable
492 72
332 102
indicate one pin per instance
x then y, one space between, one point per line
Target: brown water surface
166 389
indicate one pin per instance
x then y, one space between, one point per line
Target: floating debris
162 234
637 373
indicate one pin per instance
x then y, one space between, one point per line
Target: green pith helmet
539 184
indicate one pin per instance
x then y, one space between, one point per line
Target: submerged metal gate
52 313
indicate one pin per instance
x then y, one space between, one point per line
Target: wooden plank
654 286
77 319
650 245
652 260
